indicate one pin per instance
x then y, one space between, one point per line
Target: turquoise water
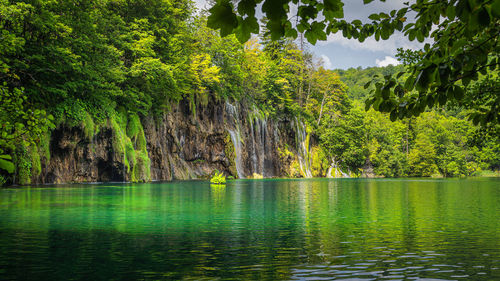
318 229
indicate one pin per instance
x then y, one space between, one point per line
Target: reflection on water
315 229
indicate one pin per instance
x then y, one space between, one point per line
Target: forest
96 64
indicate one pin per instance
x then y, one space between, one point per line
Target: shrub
218 178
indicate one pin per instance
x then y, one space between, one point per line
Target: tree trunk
321 111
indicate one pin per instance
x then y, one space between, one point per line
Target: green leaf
411 35
483 17
308 12
374 17
458 92
333 9
385 93
424 78
409 83
222 17
442 98
430 101
495 9
291 33
450 12
246 27
356 22
247 7
276 29
466 80
7 166
316 32
394 115
368 104
476 118
398 91
420 36
301 27
275 10
367 1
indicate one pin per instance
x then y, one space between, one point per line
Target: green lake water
317 229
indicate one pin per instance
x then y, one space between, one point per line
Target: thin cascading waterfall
236 138
332 168
259 133
335 172
253 157
263 136
302 140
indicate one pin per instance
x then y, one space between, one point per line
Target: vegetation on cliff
110 64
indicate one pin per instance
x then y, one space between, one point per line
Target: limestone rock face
233 138
74 158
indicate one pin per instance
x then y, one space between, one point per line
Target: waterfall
259 133
263 135
302 140
337 172
236 138
253 157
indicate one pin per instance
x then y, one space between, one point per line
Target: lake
276 229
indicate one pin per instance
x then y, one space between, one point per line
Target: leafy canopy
464 36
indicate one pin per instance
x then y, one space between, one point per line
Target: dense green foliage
439 142
356 79
464 36
112 63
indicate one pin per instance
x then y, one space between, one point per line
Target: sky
339 52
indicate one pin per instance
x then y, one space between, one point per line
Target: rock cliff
234 138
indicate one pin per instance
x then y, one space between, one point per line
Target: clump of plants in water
218 178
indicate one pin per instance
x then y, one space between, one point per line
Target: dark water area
312 229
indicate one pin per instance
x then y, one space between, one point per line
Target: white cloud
327 63
390 46
385 62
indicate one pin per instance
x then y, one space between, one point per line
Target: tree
464 34
20 125
422 157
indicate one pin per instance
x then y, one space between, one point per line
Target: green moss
133 126
294 169
44 146
319 163
36 165
23 165
141 170
118 137
284 152
256 114
130 153
141 140
121 118
129 142
88 126
230 153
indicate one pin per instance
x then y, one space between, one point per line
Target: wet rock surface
229 137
